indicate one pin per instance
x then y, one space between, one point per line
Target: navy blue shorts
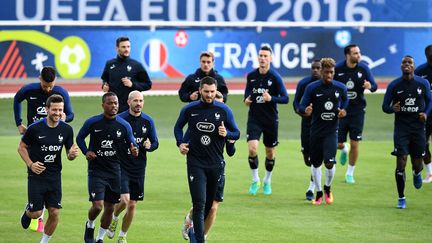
134 186
323 149
409 142
352 124
220 189
42 192
106 189
305 135
269 131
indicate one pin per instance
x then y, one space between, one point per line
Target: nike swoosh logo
98 130
40 137
318 95
197 80
33 98
400 92
194 114
341 74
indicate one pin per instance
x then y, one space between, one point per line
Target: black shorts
323 149
134 186
269 131
352 124
106 189
220 189
409 142
305 135
42 192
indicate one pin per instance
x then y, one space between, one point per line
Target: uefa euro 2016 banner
79 52
218 10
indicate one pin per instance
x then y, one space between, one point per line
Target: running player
264 90
326 100
108 132
210 124
409 98
40 148
357 77
211 217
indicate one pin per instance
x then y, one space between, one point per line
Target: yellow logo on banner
72 55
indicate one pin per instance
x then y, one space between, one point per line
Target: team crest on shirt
217 116
205 140
60 138
419 91
359 74
144 129
119 133
336 94
129 68
328 105
269 82
350 84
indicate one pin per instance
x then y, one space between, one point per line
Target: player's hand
105 87
90 155
147 144
396 107
63 116
22 129
222 130
73 152
422 117
37 167
248 101
127 82
367 85
134 150
309 110
194 95
184 148
266 96
341 113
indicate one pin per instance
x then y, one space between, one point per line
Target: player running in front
325 100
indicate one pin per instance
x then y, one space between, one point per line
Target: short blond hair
328 62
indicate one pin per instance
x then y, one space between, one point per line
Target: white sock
345 148
122 233
90 224
267 177
329 175
350 170
101 233
45 238
255 176
429 168
115 218
311 186
316 175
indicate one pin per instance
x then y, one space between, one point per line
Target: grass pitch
364 212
